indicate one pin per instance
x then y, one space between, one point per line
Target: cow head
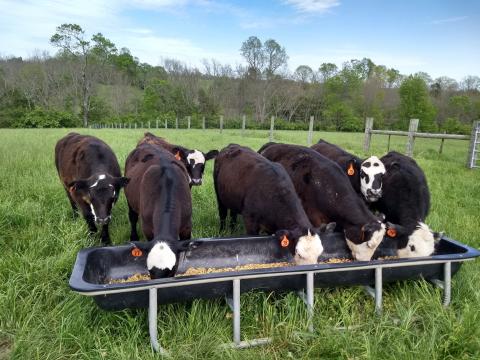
304 243
364 244
194 160
99 192
371 173
162 256
416 243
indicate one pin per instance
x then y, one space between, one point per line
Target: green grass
41 318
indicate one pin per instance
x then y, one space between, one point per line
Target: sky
439 37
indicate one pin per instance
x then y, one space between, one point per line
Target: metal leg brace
152 322
445 284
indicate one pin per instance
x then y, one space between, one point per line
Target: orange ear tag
136 252
351 170
71 189
391 232
177 156
284 242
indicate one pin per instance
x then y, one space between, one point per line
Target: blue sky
438 37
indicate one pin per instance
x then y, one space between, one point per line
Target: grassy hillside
41 318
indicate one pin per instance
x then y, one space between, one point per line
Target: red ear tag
177 156
284 242
391 232
351 170
136 252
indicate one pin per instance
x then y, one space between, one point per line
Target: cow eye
412 247
376 164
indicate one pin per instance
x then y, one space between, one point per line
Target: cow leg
91 223
222 213
233 220
185 233
251 225
105 236
72 204
133 217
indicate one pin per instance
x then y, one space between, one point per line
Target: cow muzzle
373 195
197 182
103 221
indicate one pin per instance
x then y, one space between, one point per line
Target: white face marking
197 157
420 243
161 257
375 166
365 250
113 189
100 177
93 212
309 248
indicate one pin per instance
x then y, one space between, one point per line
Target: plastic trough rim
79 285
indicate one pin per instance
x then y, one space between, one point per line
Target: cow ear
351 167
381 217
212 154
121 181
180 153
437 236
327 228
78 185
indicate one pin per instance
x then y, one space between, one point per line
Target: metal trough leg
377 292
152 321
310 300
447 283
234 304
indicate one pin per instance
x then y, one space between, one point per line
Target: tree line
90 80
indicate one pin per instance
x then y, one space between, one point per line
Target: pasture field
40 318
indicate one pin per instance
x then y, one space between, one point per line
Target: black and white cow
406 202
194 160
364 175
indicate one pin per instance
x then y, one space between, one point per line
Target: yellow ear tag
351 170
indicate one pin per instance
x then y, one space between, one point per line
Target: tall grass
41 318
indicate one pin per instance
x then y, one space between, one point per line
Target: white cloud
313 6
448 20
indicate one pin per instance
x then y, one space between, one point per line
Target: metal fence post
221 124
310 131
244 120
471 149
272 126
412 128
368 134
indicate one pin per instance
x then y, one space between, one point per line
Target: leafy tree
275 56
252 51
102 48
327 70
415 103
303 73
70 38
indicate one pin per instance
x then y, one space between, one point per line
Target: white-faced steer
327 195
92 179
261 191
406 203
194 160
158 192
364 175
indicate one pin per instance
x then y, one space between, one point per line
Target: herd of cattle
295 192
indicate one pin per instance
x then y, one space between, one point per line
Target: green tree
415 103
70 38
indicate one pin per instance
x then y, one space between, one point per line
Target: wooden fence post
176 123
221 124
368 134
244 120
412 128
156 123
135 125
471 150
141 125
388 145
310 131
272 126
203 123
188 122
166 123
441 144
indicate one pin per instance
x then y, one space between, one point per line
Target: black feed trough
95 267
